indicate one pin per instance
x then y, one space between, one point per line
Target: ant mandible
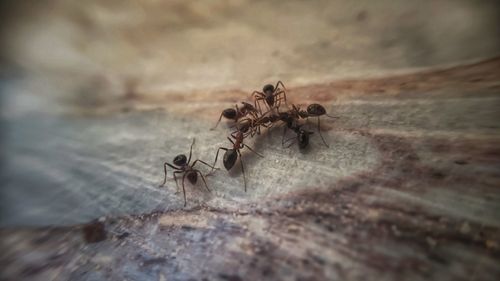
190 173
236 114
271 95
231 154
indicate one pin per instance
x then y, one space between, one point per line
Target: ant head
180 160
229 113
316 109
247 106
268 89
230 158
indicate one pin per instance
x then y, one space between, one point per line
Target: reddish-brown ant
188 171
231 154
251 126
272 95
237 112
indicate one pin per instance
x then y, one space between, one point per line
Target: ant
313 110
231 154
271 95
317 110
189 172
302 135
291 119
251 127
236 114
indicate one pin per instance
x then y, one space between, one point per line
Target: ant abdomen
229 113
230 158
316 110
192 176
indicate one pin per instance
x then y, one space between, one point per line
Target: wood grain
408 190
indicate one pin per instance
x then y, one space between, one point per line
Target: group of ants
248 121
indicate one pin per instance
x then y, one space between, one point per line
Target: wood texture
97 95
408 190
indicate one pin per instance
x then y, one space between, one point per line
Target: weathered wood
97 95
409 189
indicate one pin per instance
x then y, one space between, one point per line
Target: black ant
313 110
236 114
291 120
302 136
190 173
231 154
317 110
271 95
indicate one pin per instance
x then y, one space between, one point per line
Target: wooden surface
409 189
96 96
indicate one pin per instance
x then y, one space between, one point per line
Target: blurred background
88 54
95 96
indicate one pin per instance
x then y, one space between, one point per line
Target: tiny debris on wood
94 232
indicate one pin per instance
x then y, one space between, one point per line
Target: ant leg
257 104
217 124
231 139
165 170
255 92
203 178
191 151
253 150
261 99
277 100
217 155
176 182
256 99
257 130
290 143
203 162
233 134
319 131
284 97
283 137
280 83
243 171
260 95
184 189
237 113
